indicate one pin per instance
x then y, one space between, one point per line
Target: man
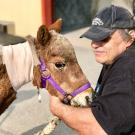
112 110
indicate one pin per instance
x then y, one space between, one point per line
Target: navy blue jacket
114 102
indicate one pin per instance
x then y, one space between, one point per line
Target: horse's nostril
66 101
88 100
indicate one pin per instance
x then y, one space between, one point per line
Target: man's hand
79 119
56 106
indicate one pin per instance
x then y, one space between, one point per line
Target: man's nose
95 44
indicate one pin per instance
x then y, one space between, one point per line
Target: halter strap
55 85
81 89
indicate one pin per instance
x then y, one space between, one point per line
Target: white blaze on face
80 99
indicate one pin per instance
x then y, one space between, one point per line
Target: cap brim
96 33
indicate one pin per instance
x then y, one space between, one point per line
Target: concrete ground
26 116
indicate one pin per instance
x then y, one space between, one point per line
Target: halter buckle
45 74
67 99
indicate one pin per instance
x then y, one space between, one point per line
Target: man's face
108 50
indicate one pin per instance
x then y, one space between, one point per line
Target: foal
59 71
52 65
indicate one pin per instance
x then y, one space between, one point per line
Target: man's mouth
99 52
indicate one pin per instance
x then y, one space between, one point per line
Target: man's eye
106 39
60 65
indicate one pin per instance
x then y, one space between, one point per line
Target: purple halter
56 86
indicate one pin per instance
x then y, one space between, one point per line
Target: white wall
103 3
26 14
124 3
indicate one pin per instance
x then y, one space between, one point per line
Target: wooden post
47 12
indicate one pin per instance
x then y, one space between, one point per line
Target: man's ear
132 34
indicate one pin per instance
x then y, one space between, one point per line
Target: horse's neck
34 54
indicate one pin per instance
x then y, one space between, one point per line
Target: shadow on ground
21 96
58 131
24 95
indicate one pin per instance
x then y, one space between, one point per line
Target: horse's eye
60 65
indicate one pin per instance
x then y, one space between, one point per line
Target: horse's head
60 59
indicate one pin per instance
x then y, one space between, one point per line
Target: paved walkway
26 116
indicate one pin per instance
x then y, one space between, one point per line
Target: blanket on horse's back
18 59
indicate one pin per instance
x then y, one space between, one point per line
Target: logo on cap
97 21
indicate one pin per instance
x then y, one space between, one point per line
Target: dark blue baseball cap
107 21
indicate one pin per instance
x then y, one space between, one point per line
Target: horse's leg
7 93
7 100
50 126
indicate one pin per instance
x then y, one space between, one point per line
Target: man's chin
100 61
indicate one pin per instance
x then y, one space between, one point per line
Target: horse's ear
57 25
43 35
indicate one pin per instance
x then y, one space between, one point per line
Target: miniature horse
59 71
56 69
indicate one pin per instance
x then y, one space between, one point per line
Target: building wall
103 3
75 14
26 15
124 3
